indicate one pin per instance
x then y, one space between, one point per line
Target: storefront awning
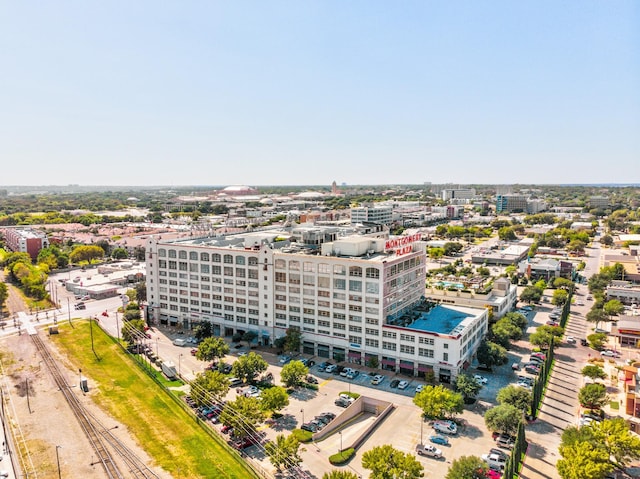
424 368
354 355
389 362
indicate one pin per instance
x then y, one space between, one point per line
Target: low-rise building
25 240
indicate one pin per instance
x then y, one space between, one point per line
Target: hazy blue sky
307 92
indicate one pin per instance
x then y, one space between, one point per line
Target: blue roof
440 319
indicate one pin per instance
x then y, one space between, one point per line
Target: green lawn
168 434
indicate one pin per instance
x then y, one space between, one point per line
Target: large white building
380 214
355 298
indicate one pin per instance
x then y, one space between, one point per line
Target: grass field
168 434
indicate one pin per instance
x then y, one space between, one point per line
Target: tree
452 248
284 451
594 371
211 349
503 418
249 337
203 330
606 240
119 253
385 462
559 297
337 474
248 367
543 335
597 340
583 461
515 396
132 330
4 294
131 312
141 291
274 399
614 436
613 307
507 234
292 340
242 415
597 316
86 253
293 373
467 467
491 354
505 328
593 396
530 294
467 386
520 320
208 386
438 402
563 283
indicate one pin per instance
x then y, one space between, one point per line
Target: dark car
312 380
309 427
584 342
394 383
342 402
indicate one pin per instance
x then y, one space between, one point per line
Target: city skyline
301 94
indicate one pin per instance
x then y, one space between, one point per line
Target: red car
244 442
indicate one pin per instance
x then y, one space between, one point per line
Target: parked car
353 374
439 439
539 355
284 360
309 427
515 366
342 402
312 380
480 379
377 379
419 388
505 441
428 450
494 461
499 452
570 340
446 427
346 397
394 383
532 370
610 354
330 368
584 342
346 371
403 384
245 442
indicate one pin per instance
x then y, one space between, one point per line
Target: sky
308 92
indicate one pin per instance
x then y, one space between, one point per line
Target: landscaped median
175 441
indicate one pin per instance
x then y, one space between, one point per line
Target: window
204 256
162 252
355 339
372 288
372 332
281 277
228 259
240 260
371 342
373 273
193 256
407 337
280 264
355 271
427 341
215 258
294 265
355 285
388 334
182 255
253 261
172 253
337 283
324 268
389 346
339 269
445 356
308 267
426 353
407 349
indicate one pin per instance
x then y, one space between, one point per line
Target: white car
571 340
428 450
610 354
480 379
419 388
403 384
377 379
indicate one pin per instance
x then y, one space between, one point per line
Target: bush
301 435
313 387
342 457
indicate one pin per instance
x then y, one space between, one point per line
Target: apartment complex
354 298
24 240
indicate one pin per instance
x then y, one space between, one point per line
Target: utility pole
117 326
58 461
91 333
69 310
26 386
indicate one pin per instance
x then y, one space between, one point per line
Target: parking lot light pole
180 365
340 433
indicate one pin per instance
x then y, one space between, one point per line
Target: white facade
380 214
348 297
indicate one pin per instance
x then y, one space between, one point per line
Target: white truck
180 342
169 370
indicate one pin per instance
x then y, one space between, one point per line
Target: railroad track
102 439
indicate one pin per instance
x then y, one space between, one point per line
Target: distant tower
334 187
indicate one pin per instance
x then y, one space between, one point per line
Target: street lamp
58 461
180 365
340 433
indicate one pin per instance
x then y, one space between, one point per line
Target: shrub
301 435
342 457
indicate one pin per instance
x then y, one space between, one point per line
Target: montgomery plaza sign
403 244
